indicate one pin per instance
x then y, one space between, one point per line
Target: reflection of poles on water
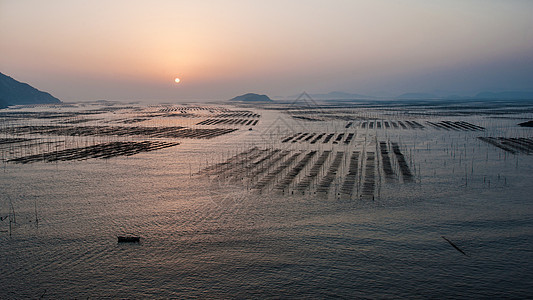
11 216
36 215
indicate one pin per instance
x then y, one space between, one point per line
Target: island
251 97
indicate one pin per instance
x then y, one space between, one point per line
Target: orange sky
129 50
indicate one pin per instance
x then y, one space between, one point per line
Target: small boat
129 239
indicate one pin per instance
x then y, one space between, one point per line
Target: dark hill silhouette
3 104
13 92
251 97
526 124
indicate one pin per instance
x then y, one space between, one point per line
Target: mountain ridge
505 95
14 92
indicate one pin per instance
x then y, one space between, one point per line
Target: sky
133 50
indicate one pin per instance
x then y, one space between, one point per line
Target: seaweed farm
282 171
414 125
165 132
346 199
53 129
511 145
246 122
106 150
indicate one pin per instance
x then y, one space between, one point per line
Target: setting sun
177 80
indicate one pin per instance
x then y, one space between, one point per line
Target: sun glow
177 80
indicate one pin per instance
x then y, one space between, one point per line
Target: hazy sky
130 50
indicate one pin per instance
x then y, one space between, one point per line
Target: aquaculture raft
105 150
313 172
155 132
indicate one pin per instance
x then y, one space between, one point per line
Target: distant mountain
339 96
417 96
526 124
13 92
3 104
251 97
509 95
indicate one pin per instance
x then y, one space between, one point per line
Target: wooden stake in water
454 246
36 216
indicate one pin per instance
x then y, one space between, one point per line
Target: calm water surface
206 238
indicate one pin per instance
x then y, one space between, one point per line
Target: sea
460 227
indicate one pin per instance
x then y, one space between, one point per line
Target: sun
177 80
